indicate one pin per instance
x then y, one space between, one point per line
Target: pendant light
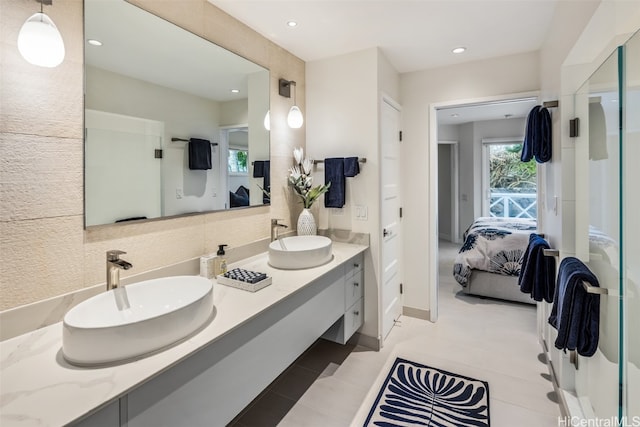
39 40
294 118
267 120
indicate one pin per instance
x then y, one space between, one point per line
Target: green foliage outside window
508 172
238 161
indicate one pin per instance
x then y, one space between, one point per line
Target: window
509 184
237 161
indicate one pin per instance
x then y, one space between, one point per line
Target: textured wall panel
41 177
41 258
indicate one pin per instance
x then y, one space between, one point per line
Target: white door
390 215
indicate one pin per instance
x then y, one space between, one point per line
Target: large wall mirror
174 124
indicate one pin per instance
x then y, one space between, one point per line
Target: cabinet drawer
354 266
353 288
353 318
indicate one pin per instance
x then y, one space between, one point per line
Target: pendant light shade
295 119
40 42
267 121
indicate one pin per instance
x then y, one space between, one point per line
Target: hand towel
537 274
266 182
575 313
199 154
351 167
262 169
542 146
528 143
334 173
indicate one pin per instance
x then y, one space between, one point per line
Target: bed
489 261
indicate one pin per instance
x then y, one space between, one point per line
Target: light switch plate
361 212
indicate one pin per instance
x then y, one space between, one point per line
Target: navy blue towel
528 144
334 173
262 169
537 142
199 154
542 143
351 167
538 272
575 313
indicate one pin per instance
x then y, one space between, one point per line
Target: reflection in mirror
154 95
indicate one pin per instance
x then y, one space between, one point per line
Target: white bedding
495 245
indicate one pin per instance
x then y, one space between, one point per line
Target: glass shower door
598 232
631 230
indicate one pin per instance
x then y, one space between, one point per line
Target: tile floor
333 385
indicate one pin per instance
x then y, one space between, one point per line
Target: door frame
455 178
432 219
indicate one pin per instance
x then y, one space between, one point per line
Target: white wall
418 91
343 95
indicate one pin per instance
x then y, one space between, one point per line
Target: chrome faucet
114 265
274 228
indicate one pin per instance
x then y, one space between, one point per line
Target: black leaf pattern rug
418 395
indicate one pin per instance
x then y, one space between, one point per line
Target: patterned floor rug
418 395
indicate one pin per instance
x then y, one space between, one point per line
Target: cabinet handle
356 265
356 284
356 312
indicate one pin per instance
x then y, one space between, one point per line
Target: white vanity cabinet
353 317
212 386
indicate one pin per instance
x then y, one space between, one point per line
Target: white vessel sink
153 314
298 252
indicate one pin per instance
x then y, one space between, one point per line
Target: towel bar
551 252
361 160
594 289
186 140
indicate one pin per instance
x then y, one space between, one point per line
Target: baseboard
445 236
416 312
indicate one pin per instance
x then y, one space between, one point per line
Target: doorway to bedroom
491 181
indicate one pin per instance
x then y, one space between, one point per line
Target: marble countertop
38 387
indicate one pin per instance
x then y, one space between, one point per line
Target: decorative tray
244 279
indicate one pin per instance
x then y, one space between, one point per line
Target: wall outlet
337 211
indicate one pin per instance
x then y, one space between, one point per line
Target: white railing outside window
513 205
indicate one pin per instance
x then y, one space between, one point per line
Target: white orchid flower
298 154
294 173
306 166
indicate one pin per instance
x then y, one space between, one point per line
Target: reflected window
237 161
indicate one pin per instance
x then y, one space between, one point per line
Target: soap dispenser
220 263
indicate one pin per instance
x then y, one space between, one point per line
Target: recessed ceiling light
455 115
94 42
459 49
292 24
235 90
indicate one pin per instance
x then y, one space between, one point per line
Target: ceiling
412 34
